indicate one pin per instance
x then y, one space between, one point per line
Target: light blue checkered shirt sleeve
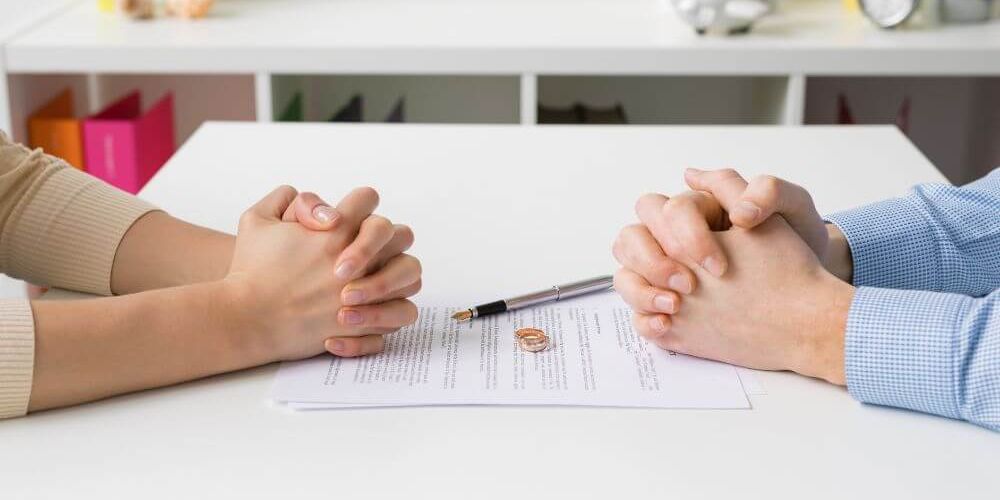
923 331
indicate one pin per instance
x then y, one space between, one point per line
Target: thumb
793 202
272 206
727 186
312 212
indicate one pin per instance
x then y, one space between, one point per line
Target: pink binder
124 146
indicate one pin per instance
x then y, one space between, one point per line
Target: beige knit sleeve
58 227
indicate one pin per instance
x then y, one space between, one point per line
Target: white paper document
595 358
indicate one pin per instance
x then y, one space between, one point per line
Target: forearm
160 251
91 349
926 351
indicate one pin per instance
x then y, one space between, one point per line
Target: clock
889 13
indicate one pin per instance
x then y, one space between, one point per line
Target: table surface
553 206
495 37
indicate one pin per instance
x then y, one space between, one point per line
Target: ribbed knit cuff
68 235
17 356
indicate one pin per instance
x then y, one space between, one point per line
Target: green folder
293 112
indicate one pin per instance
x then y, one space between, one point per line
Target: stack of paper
594 358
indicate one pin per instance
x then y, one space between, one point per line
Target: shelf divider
264 102
529 99
795 100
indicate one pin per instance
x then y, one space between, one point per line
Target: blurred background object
191 9
889 13
724 17
147 9
965 11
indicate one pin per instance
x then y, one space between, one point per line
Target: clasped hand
310 277
745 273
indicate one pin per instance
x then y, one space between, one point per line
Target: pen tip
462 315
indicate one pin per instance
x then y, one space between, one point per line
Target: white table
548 214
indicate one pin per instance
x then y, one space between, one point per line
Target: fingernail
325 214
353 317
680 283
354 297
663 303
335 345
345 270
713 266
690 170
748 210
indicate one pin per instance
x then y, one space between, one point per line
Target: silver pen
558 292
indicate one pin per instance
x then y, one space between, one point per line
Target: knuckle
351 348
334 245
768 183
616 248
378 287
619 281
373 316
418 267
661 268
380 224
368 192
639 323
650 199
727 173
247 219
404 232
411 312
678 204
378 345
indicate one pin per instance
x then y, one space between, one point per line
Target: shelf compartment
428 98
680 100
954 121
197 97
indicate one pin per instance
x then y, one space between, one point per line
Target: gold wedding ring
532 339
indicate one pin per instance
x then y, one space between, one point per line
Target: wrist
838 260
823 327
241 319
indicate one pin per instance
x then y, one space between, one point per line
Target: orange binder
54 129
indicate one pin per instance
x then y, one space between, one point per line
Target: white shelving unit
493 61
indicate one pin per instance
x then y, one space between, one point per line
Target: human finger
636 249
794 203
642 297
399 273
728 187
272 206
683 227
651 326
349 347
312 212
392 314
402 240
374 234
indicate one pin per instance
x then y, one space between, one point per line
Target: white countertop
549 212
494 37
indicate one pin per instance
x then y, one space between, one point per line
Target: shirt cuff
892 245
17 357
69 233
900 346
